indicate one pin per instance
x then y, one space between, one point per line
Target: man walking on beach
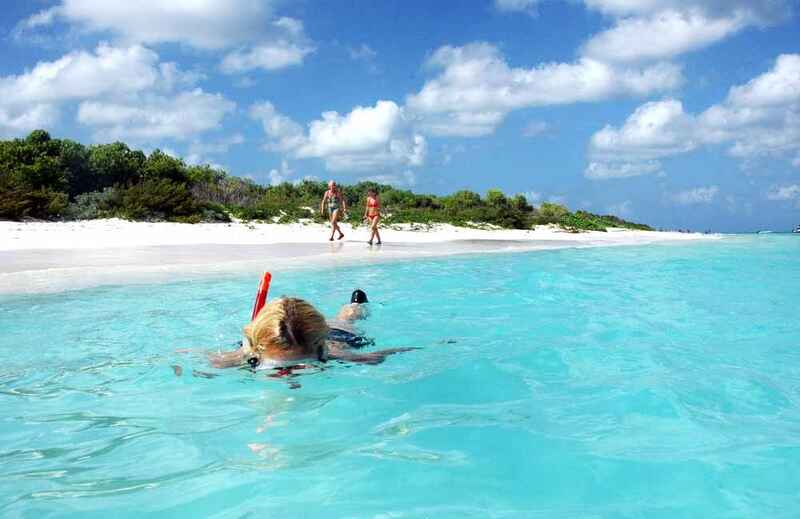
336 208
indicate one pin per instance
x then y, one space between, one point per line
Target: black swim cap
359 296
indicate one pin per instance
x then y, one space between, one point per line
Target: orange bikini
373 208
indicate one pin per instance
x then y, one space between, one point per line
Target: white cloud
622 209
217 146
762 12
519 6
279 176
15 121
656 129
362 53
366 55
153 117
200 150
173 77
262 41
621 169
273 56
447 152
760 118
245 82
631 39
282 132
698 195
476 88
790 192
40 19
362 129
366 138
209 24
81 74
287 48
535 129
661 29
777 87
122 91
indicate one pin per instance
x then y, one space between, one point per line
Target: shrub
161 165
114 164
214 213
97 204
551 213
461 200
33 181
582 221
157 199
17 202
496 198
225 190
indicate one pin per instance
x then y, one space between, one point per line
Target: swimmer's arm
373 357
178 370
226 359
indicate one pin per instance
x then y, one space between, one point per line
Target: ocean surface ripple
658 381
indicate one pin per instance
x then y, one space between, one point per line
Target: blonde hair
287 324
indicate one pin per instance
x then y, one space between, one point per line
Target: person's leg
371 229
334 214
336 225
371 233
377 232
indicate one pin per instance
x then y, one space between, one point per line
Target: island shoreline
46 257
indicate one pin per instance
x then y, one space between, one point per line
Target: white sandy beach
54 256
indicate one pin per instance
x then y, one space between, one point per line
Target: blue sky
678 113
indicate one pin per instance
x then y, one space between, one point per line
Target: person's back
288 333
356 309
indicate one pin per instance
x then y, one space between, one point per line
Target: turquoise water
658 381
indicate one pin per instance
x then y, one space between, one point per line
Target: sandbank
55 256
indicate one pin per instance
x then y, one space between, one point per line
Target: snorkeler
356 309
341 329
290 333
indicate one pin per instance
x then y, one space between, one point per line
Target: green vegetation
46 178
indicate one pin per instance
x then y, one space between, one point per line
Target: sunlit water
658 381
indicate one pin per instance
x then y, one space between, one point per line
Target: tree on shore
57 179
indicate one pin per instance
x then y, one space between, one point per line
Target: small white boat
796 230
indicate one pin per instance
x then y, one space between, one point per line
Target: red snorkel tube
261 295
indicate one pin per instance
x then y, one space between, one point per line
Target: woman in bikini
336 207
289 333
372 214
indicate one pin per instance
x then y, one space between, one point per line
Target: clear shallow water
658 381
